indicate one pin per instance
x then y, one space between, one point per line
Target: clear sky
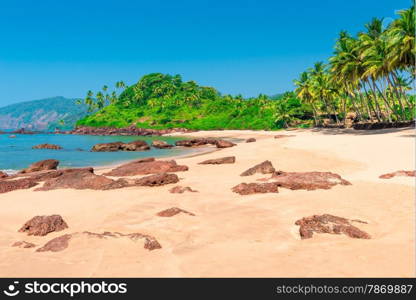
50 47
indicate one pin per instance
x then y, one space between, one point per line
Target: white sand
234 235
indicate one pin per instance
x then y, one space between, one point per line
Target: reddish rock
279 136
219 161
17 184
250 140
180 190
157 180
224 144
147 166
308 180
161 144
196 142
329 224
62 242
135 146
23 244
170 212
48 164
47 146
107 147
57 244
42 225
265 167
398 173
3 175
81 179
255 188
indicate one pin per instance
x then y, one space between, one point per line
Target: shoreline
228 231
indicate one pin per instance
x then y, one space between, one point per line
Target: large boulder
147 166
107 147
250 140
219 161
265 167
157 180
196 142
57 244
47 146
48 164
398 173
255 188
181 189
329 224
161 144
3 175
81 179
170 212
135 146
308 180
16 184
224 144
42 225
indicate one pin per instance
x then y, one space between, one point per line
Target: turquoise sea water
17 153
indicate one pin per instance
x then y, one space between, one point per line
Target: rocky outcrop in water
265 167
119 146
329 224
47 164
204 141
42 225
47 146
3 175
161 144
170 212
255 188
147 166
219 161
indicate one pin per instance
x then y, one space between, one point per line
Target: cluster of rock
43 225
131 130
197 142
85 178
181 189
329 224
142 145
290 180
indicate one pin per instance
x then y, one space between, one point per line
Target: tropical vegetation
368 78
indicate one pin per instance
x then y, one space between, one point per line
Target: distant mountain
43 114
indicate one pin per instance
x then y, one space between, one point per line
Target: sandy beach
232 235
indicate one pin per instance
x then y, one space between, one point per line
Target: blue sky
50 48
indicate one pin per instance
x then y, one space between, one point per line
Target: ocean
17 153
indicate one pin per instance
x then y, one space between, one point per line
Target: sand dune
230 234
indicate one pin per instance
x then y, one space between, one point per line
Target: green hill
164 101
43 114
